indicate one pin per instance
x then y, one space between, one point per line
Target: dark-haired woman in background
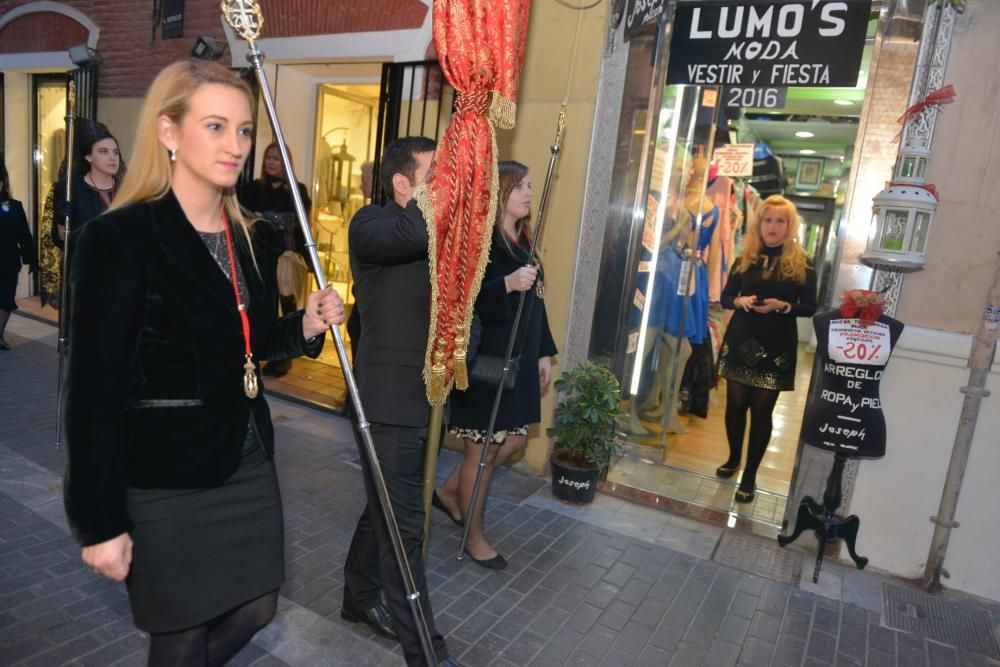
97 173
509 272
17 248
270 197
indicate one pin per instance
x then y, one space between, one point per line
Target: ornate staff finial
245 17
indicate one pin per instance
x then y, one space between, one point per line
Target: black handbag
487 371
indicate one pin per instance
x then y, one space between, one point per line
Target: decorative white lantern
902 217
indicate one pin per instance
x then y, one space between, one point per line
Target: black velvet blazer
155 382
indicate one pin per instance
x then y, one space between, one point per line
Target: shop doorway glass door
48 151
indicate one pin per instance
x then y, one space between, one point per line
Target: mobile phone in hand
759 302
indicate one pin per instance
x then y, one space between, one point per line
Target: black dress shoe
742 496
437 503
498 562
377 618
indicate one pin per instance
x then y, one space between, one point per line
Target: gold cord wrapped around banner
480 45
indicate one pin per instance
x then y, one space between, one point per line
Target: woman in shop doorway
270 198
17 249
510 272
770 285
170 483
98 172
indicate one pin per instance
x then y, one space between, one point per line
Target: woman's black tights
216 642
760 402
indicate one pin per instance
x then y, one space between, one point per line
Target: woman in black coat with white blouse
509 273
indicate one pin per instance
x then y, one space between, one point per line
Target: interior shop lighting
804 134
669 148
807 151
844 103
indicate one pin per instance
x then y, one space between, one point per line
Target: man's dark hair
399 158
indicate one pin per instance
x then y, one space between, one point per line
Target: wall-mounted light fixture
207 48
82 55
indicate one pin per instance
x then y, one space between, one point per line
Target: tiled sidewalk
609 584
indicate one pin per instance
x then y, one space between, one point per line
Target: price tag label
685 277
734 159
851 343
639 300
633 342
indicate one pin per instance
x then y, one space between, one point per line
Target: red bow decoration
940 96
480 45
863 304
930 187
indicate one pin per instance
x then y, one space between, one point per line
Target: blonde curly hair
793 262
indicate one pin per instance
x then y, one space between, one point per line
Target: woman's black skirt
199 553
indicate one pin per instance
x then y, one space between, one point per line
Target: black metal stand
823 520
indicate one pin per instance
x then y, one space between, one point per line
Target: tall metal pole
542 206
62 344
980 360
245 17
431 449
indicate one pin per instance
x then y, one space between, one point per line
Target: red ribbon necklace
250 384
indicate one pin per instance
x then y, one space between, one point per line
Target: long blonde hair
792 265
150 171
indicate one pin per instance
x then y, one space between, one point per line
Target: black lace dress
760 350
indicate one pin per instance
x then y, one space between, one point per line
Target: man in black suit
388 250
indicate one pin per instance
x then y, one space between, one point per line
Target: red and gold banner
480 45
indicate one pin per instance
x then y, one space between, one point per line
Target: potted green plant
583 430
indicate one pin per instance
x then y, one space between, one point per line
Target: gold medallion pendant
251 386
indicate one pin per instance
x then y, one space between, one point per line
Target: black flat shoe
377 618
438 504
745 496
725 472
498 562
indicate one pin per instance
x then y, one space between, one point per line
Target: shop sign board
173 19
768 43
734 159
641 13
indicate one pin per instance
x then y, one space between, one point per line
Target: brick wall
43 31
133 54
875 155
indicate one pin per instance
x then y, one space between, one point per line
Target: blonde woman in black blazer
170 484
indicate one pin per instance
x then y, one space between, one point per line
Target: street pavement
609 584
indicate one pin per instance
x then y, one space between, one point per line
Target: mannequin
844 414
854 344
696 318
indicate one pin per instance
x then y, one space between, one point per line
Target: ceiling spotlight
803 134
807 151
844 103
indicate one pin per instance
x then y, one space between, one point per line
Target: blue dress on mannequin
699 300
667 306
